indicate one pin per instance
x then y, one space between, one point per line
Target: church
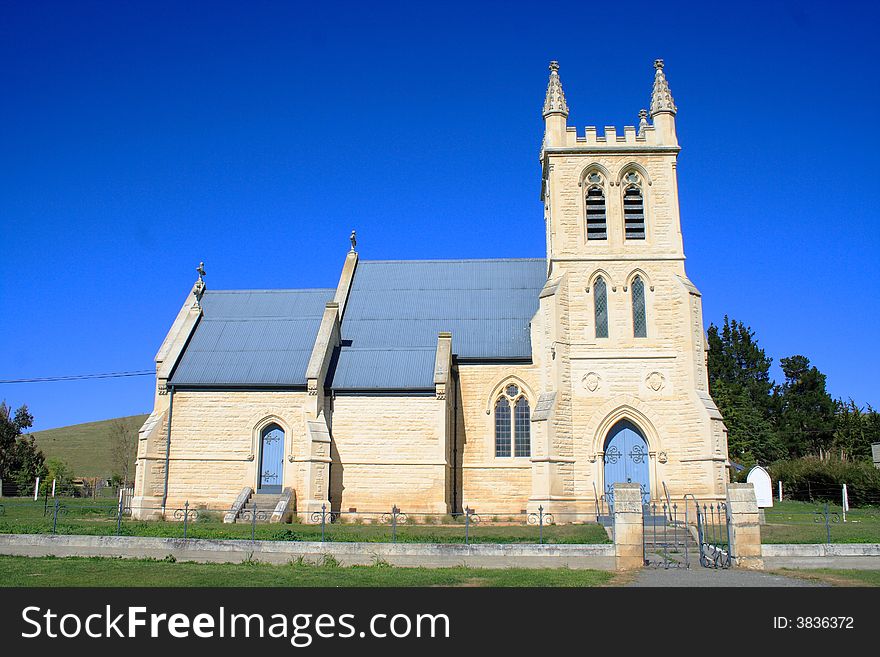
498 385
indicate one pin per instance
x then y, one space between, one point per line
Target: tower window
640 324
512 438
594 202
600 307
633 208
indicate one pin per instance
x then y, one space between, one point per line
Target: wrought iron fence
189 520
795 521
675 532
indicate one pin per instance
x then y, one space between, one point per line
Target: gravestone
760 479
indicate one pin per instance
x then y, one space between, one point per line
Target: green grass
85 448
99 571
798 522
91 518
836 577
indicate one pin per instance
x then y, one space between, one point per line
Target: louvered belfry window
513 440
633 208
600 303
594 201
640 324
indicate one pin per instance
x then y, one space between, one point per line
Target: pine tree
740 384
806 418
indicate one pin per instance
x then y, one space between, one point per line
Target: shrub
812 479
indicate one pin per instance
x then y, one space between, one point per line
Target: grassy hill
84 447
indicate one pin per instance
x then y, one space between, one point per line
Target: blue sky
139 138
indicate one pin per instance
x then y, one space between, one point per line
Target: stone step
265 504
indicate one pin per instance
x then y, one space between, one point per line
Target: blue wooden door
626 459
271 459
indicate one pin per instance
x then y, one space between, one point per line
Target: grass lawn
97 571
91 518
85 448
836 577
798 522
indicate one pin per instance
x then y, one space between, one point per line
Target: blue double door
271 459
626 459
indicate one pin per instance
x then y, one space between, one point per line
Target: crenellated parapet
659 134
611 138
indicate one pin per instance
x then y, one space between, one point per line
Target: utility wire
81 377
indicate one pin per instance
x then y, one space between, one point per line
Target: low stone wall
598 557
860 556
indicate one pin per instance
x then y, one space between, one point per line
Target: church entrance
271 459
626 459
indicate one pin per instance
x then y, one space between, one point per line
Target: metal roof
253 338
396 309
394 312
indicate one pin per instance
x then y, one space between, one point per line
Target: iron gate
713 531
676 535
665 536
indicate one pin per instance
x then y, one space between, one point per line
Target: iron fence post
541 524
323 520
55 518
827 525
254 521
652 511
665 538
727 528
687 534
394 512
467 525
119 516
185 517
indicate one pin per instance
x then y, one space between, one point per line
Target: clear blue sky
139 138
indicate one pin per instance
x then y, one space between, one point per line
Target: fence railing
788 522
187 520
820 522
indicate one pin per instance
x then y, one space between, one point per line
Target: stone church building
436 385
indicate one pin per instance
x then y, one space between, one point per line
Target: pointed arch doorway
271 459
626 459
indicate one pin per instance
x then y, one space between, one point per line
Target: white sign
760 479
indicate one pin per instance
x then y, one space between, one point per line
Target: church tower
620 324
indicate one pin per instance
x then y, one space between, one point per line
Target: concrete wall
600 557
861 556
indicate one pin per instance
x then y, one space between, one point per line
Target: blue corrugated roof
396 309
253 337
393 314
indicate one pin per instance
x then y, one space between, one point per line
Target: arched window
640 324
633 207
523 434
594 202
502 427
515 439
600 307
